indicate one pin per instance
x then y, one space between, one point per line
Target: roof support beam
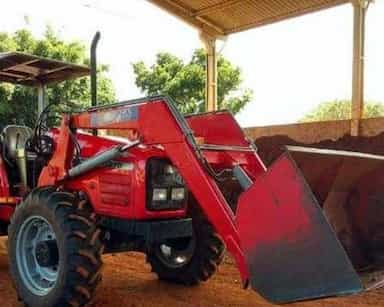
211 73
41 99
21 64
51 71
13 75
360 8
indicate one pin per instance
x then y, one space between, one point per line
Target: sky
291 66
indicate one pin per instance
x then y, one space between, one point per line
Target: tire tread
81 236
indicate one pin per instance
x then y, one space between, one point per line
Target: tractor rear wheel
54 249
188 261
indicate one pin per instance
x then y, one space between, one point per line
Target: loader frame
178 141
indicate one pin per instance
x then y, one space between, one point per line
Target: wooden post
41 99
360 8
211 73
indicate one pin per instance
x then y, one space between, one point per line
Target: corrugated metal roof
25 69
223 17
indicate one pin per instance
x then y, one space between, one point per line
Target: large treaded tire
208 254
78 242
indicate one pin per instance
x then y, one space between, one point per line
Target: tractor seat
13 138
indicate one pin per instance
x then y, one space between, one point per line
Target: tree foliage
185 82
18 104
341 109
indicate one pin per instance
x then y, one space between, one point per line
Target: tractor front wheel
54 249
188 261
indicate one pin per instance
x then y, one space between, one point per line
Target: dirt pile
269 148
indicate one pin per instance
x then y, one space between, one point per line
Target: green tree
18 104
185 82
341 109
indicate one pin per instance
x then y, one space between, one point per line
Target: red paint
6 209
277 202
4 184
206 125
6 212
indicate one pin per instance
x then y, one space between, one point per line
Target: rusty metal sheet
291 251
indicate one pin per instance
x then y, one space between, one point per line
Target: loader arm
271 223
174 135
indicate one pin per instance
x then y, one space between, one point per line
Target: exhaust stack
94 44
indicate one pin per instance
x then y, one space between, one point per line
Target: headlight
169 170
159 195
166 189
178 194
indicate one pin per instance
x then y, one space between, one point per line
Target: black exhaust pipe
95 41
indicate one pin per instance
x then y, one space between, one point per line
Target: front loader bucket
292 251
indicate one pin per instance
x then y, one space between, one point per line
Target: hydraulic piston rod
100 159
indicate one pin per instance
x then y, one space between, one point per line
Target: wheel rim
36 272
177 253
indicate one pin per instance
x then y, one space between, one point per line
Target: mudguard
291 251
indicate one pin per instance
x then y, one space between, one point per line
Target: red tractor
179 189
